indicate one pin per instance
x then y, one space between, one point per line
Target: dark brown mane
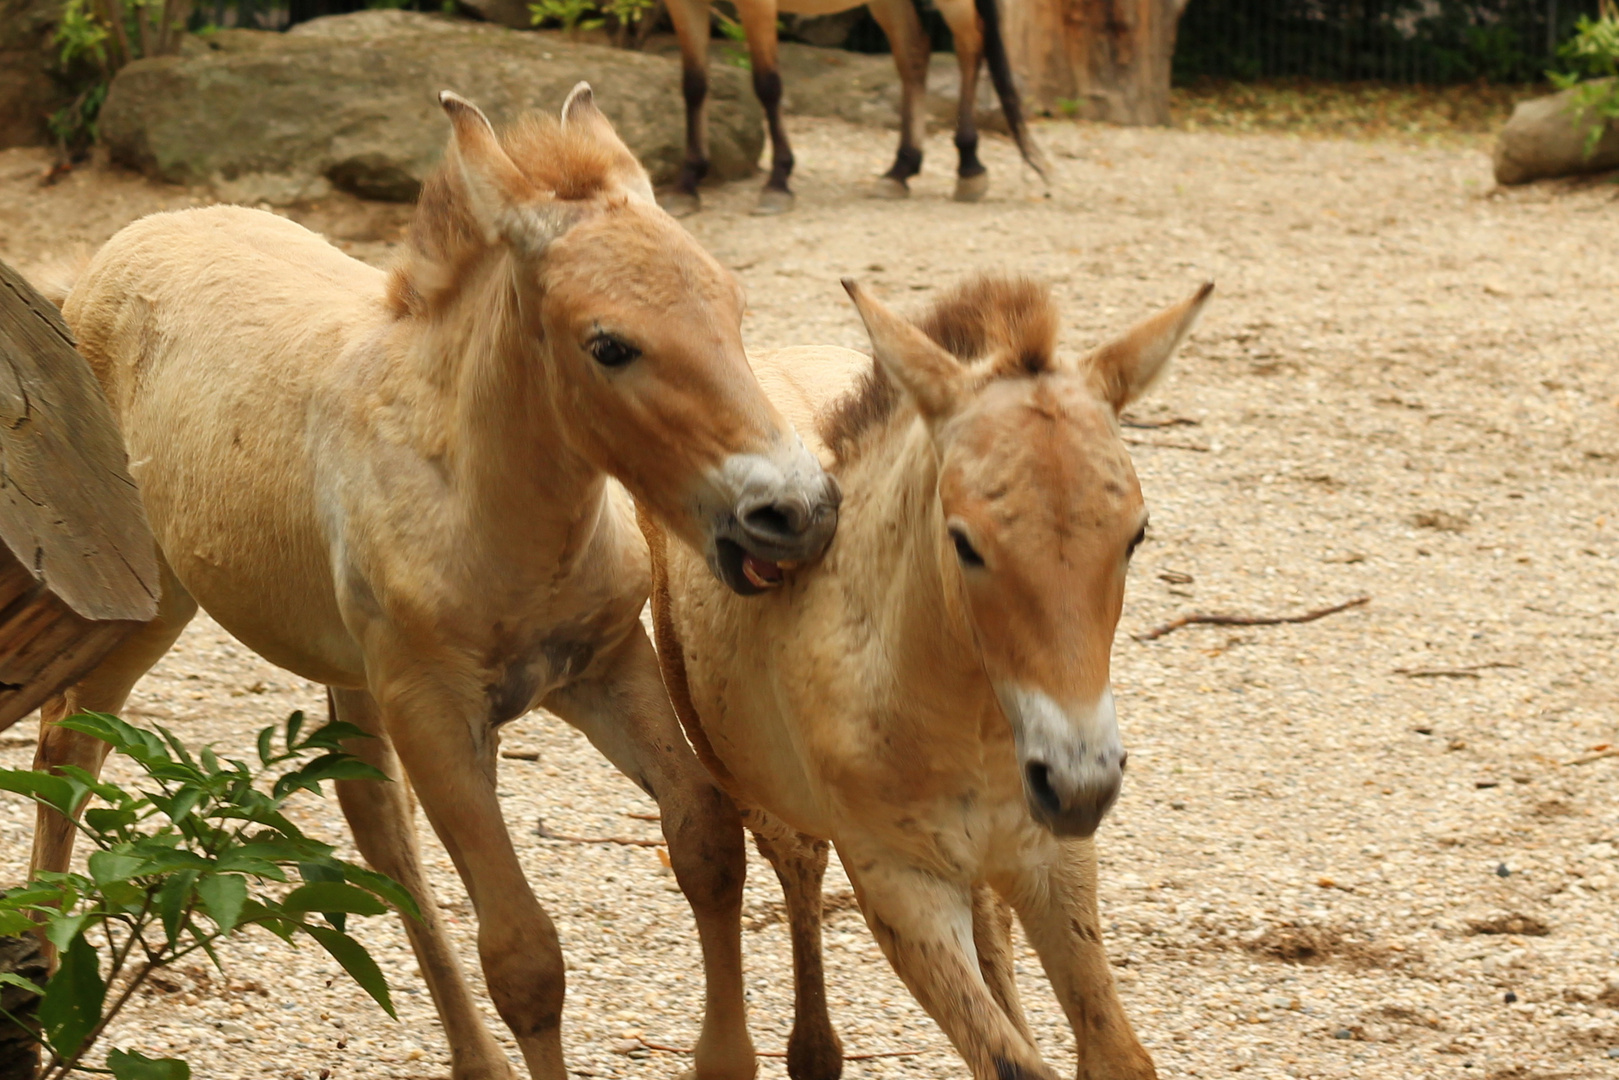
1011 319
443 237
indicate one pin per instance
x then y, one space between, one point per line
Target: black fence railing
1403 41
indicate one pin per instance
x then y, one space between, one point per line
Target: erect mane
1011 319
444 240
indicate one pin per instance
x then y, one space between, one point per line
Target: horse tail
55 277
1000 75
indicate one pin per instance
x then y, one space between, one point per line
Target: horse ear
933 378
1125 367
506 205
579 112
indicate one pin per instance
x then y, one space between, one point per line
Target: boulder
350 101
28 92
1545 138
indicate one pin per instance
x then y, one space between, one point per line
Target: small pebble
1613 1051
1502 871
1509 997
1343 1033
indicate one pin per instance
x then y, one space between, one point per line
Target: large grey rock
350 101
28 92
1544 139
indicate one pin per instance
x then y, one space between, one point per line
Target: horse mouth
745 573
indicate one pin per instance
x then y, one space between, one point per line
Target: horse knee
526 976
706 849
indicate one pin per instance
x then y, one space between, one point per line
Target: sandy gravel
1407 388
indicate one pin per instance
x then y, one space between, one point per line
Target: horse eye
965 551
610 351
1135 541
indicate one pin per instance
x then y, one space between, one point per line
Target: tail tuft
1000 76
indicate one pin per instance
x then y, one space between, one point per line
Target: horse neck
900 540
502 439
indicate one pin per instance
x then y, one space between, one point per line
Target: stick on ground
545 833
1247 620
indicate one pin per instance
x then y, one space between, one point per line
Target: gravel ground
1329 860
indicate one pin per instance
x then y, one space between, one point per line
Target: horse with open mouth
933 695
416 489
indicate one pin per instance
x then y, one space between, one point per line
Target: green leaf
107 820
223 895
267 746
71 1007
332 734
175 744
171 902
54 791
356 961
333 896
135 1066
384 886
11 978
295 724
109 867
62 930
15 923
325 871
333 766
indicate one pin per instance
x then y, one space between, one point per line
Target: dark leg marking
767 85
694 85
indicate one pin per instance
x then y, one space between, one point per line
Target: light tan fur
406 487
890 697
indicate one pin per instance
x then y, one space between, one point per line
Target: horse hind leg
691 27
759 24
814 1051
104 689
972 179
992 939
383 824
911 49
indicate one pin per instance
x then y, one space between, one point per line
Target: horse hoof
680 203
971 188
887 187
773 201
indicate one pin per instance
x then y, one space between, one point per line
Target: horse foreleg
691 27
972 179
1057 903
379 815
992 937
813 1049
759 24
911 50
625 713
924 925
446 744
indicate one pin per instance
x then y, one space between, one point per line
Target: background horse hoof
887 187
774 201
680 203
971 188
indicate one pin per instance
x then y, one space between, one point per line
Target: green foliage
628 18
1591 59
190 859
95 38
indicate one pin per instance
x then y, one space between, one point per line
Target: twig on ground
1174 421
643 817
1596 755
521 755
1469 672
783 1053
1247 620
1167 445
545 833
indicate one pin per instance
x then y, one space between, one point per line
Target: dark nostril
1037 774
778 519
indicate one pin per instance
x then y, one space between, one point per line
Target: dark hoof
887 187
773 201
680 203
971 188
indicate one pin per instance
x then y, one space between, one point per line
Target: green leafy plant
198 855
95 38
1592 59
629 20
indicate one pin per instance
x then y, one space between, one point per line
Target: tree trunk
1095 59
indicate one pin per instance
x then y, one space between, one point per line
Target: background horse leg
104 689
992 937
759 24
972 179
381 818
625 713
691 27
924 925
813 1049
911 49
1057 904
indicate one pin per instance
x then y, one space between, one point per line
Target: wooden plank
69 510
44 644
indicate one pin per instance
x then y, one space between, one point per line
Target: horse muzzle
778 518
1072 762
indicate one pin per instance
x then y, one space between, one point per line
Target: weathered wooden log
78 565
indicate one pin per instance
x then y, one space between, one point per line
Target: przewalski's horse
933 696
403 486
975 25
